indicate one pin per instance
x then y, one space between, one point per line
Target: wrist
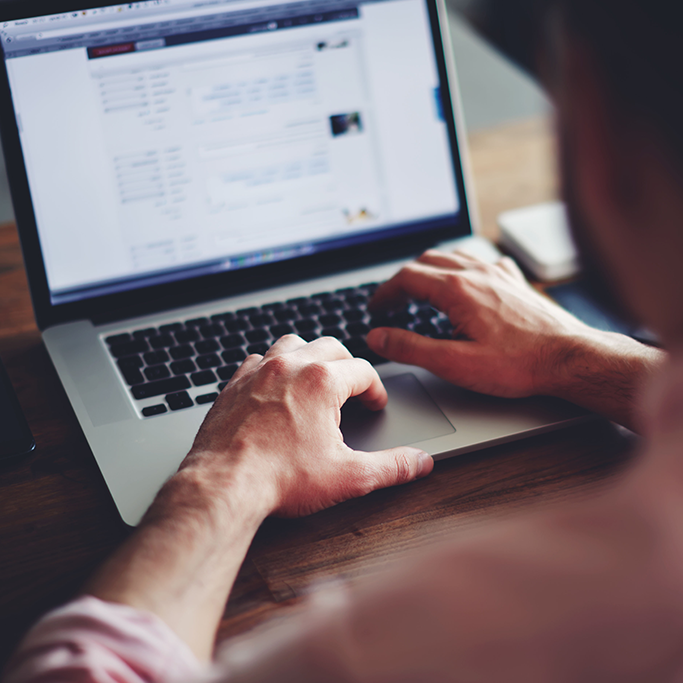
603 372
216 491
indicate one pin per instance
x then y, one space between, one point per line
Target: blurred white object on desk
540 239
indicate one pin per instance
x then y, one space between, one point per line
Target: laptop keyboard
169 360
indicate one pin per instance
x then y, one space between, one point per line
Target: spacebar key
163 386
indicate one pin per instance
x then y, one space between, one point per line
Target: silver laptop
194 178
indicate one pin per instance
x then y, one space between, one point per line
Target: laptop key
117 339
171 327
222 386
357 329
330 320
184 336
246 312
402 319
233 356
222 317
353 315
207 346
143 334
309 336
183 367
206 398
210 360
284 315
273 306
163 386
426 313
238 325
197 322
157 372
335 332
355 344
180 352
130 362
129 348
132 376
211 331
227 371
334 304
261 349
179 400
298 301
233 341
161 341
281 330
356 299
309 309
261 320
257 335
199 379
307 325
156 357
382 320
154 410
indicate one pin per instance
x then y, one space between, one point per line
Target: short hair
637 44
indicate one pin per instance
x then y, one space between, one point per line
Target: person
587 592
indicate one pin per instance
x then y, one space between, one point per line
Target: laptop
192 179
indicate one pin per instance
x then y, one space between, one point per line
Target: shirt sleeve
91 641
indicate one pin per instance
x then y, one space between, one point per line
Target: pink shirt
587 592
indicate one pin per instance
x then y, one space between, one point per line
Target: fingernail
379 340
425 464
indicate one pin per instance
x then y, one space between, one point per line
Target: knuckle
453 281
328 342
277 366
319 375
405 346
403 469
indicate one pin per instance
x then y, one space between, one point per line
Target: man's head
615 71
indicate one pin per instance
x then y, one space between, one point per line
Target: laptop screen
168 139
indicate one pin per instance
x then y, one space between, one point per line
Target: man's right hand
509 340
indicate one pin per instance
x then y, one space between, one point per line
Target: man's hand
270 444
279 419
509 340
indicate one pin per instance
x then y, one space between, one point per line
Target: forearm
182 561
605 373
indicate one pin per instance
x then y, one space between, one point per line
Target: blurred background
494 91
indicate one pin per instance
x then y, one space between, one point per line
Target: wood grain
57 520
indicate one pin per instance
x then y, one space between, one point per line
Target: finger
415 281
511 268
357 378
325 349
401 346
381 469
249 364
286 344
457 259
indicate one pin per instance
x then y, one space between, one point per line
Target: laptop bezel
195 290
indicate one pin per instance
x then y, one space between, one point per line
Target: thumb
392 467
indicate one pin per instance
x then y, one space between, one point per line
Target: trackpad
410 416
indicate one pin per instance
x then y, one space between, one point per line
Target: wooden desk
57 521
